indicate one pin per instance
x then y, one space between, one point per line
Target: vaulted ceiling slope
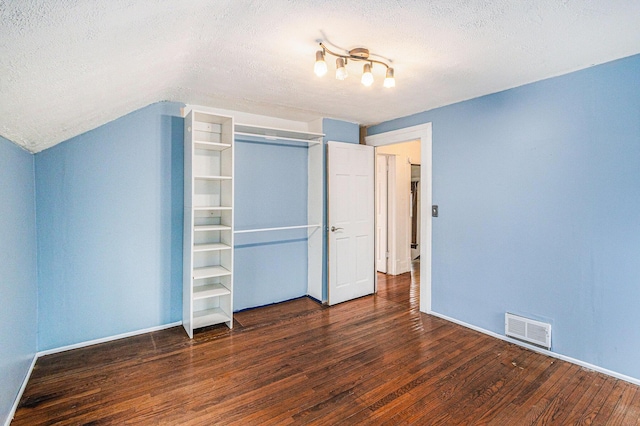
68 66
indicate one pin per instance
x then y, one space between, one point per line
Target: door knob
334 229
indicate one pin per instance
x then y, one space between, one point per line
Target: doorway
394 213
422 133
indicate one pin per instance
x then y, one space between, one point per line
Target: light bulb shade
320 68
341 71
367 77
389 80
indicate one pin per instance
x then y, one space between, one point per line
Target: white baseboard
21 391
556 355
107 339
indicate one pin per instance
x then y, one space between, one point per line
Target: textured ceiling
68 66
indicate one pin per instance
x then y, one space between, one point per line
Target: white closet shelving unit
208 221
315 202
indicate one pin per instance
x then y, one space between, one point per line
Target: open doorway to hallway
423 134
397 207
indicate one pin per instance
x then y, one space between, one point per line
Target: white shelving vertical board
187 263
228 169
315 208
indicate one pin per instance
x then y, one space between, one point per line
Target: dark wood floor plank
583 405
430 382
508 366
624 406
539 401
373 360
559 406
612 400
599 402
523 373
632 416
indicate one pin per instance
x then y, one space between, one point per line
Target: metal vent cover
536 332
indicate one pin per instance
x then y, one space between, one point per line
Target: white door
350 188
382 169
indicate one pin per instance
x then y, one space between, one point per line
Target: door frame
389 195
423 133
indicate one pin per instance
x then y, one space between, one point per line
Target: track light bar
357 54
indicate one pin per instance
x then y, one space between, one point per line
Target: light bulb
389 80
341 71
367 77
320 68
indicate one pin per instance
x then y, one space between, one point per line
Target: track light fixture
357 54
320 67
341 71
367 77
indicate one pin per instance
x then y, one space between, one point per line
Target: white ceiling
68 66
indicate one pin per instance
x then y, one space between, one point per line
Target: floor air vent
536 332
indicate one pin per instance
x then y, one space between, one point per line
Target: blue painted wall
539 195
336 131
18 279
270 191
109 222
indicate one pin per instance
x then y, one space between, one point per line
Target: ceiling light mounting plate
359 53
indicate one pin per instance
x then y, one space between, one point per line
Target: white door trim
422 132
382 212
392 217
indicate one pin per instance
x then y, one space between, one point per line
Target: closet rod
280 228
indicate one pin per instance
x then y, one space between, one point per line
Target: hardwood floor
374 360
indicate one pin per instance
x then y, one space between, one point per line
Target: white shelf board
262 138
210 247
209 290
209 317
211 228
273 133
212 177
205 208
210 272
279 228
211 146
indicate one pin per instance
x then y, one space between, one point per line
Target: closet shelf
210 272
273 134
205 208
279 228
210 290
210 247
213 177
211 228
209 317
211 146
